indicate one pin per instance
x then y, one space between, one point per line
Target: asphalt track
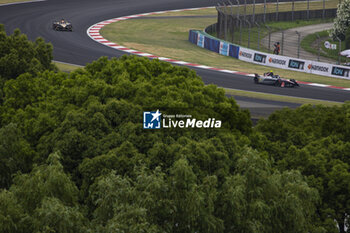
35 19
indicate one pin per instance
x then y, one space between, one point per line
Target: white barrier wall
295 64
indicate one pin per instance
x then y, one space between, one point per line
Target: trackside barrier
289 63
207 41
211 43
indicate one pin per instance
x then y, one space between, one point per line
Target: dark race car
62 25
270 79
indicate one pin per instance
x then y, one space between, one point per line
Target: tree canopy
342 21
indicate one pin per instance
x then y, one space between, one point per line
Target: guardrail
204 40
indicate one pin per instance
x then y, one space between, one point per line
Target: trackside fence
204 40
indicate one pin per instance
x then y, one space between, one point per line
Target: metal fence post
222 22
324 9
264 11
253 11
225 22
277 9
293 10
308 9
231 24
218 22
282 42
318 47
268 28
237 10
258 35
240 31
249 29
339 50
298 43
245 9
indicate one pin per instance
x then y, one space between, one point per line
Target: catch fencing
204 40
245 25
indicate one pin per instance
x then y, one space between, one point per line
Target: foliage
45 200
75 157
18 55
315 141
255 199
341 22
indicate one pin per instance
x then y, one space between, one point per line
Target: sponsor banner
224 48
328 45
260 58
319 68
296 64
340 72
277 61
200 40
246 54
326 69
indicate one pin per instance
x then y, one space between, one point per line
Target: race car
271 79
62 25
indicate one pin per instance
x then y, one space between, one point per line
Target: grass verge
12 1
168 37
259 8
65 67
281 98
284 6
310 43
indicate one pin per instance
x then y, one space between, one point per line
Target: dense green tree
315 141
16 155
18 55
45 200
13 218
341 22
256 199
132 205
